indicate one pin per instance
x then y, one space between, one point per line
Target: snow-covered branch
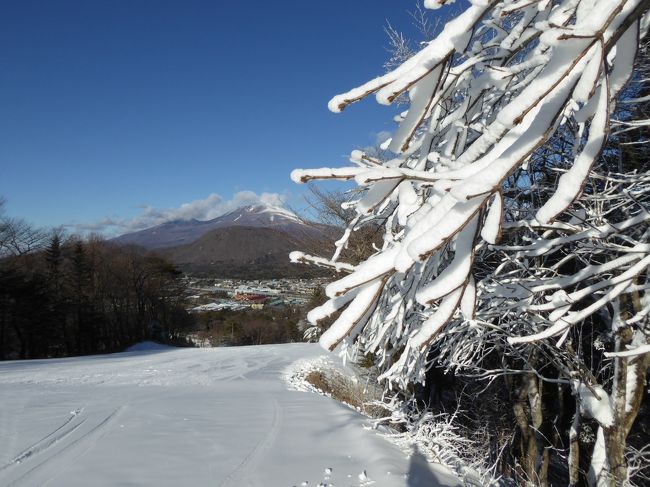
493 87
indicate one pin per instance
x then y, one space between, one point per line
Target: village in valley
235 294
227 311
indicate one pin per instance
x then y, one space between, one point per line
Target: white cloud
204 209
383 136
378 139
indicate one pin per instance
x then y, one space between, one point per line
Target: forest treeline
71 296
248 326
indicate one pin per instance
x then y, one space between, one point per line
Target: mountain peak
272 210
179 232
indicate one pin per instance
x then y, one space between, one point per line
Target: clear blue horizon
113 111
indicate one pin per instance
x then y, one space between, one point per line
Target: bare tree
17 237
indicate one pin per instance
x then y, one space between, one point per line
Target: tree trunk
627 394
529 415
574 449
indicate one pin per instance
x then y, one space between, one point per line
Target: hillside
242 252
182 232
198 417
249 242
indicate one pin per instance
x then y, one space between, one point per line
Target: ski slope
188 417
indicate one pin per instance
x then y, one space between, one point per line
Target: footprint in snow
364 479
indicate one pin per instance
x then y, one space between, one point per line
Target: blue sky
112 106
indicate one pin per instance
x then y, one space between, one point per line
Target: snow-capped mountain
252 241
260 216
181 232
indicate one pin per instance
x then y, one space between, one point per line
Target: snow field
170 417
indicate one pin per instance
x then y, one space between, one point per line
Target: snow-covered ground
188 417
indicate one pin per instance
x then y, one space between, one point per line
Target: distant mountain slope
242 252
250 242
180 232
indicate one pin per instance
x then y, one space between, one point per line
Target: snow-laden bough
497 83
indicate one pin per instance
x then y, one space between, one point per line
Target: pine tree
54 259
53 256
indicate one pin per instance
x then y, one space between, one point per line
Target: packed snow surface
164 416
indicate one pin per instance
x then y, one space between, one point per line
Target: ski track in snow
221 417
46 442
47 454
265 443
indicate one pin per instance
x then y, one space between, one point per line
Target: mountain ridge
179 232
248 242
